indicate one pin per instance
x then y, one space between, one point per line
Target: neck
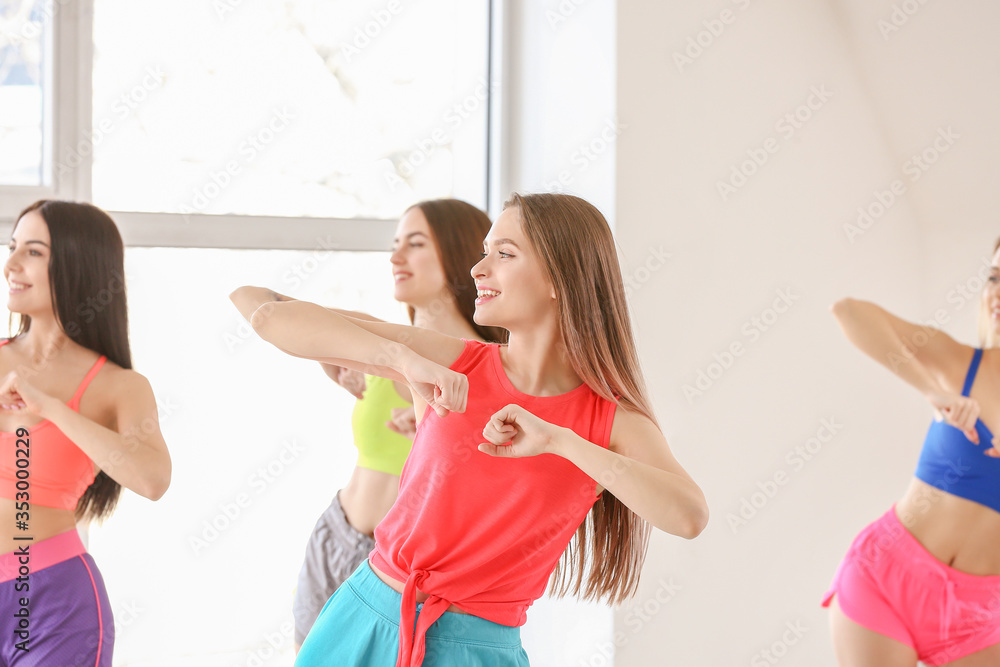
537 362
44 340
445 320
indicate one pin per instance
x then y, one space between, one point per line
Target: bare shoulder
123 385
631 429
946 358
637 437
951 368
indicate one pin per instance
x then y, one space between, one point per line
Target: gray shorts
334 551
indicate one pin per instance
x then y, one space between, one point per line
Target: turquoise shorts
359 627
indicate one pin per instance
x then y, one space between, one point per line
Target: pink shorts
889 583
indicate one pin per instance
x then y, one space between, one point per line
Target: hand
441 388
403 422
514 432
352 380
960 411
19 395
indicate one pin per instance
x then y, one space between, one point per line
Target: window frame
67 70
72 101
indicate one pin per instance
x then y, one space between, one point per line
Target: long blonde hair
574 244
986 336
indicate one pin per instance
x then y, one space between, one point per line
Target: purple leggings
57 614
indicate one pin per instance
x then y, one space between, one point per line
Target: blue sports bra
953 463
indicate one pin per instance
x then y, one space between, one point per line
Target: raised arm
925 357
394 351
921 355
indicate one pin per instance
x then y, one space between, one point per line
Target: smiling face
416 266
27 266
512 288
991 297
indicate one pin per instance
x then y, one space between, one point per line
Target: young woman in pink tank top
922 582
436 243
510 464
77 424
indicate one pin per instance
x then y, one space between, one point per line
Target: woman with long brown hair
479 527
922 582
436 243
77 424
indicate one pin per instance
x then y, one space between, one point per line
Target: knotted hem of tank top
412 642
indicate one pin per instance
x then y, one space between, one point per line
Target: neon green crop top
379 448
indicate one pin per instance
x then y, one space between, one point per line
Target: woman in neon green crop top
435 245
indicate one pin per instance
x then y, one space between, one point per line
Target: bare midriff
367 497
958 532
43 522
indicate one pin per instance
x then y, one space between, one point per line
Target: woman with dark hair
76 424
922 582
436 243
510 464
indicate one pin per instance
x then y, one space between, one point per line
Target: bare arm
641 471
134 454
637 467
306 330
920 355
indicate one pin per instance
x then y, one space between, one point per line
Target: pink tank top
480 532
59 470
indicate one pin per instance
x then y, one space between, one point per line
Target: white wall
735 591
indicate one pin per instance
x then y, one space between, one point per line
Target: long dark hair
574 244
87 285
458 229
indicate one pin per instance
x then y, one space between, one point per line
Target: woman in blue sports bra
923 581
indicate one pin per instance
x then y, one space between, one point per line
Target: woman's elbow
841 307
697 520
260 317
155 485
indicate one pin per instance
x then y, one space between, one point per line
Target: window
309 108
25 93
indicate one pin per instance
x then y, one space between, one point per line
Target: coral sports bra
953 463
58 471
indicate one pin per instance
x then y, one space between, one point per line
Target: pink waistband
35 556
